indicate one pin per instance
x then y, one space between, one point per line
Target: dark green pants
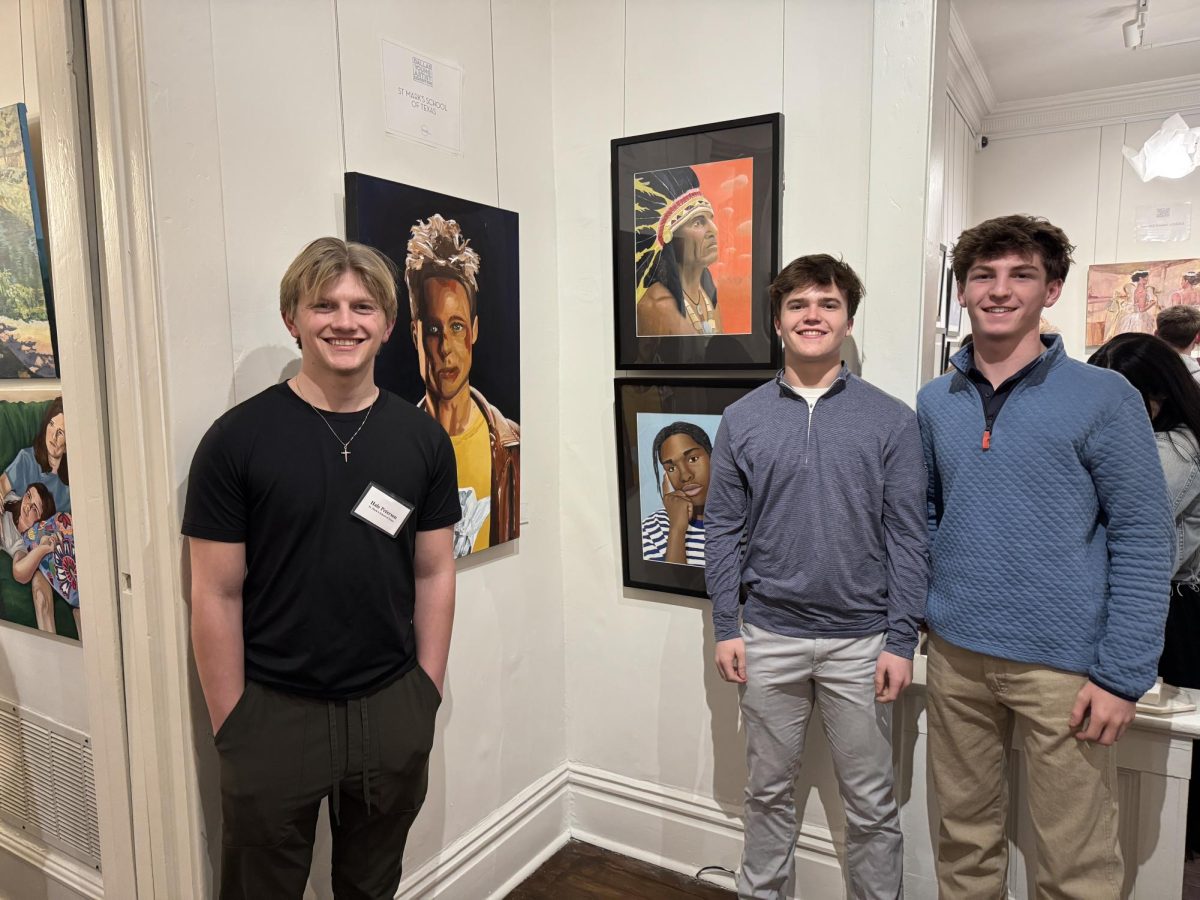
281 755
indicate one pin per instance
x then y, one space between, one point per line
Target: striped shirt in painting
654 539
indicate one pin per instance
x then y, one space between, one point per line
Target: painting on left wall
27 341
38 584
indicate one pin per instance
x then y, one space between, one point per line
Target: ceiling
1043 48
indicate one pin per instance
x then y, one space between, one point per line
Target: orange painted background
729 187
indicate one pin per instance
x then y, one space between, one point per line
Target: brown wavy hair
40 453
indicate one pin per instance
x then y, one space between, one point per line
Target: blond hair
438 249
327 259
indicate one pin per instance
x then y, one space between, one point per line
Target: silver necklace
345 444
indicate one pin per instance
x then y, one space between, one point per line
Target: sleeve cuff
725 628
904 648
1112 690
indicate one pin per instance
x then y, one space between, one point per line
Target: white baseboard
34 870
664 826
683 832
661 825
501 851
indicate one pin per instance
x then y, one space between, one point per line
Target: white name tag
386 512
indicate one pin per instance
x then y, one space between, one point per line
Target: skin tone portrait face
685 467
56 437
695 241
340 328
1005 297
31 510
813 322
445 338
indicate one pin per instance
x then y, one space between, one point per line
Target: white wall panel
285 79
454 31
827 134
1052 175
41 673
687 62
1080 181
279 122
1159 192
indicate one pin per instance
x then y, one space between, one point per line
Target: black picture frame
721 156
644 407
954 310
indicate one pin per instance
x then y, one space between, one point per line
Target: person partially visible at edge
815 508
440 273
675 533
319 517
675 241
1050 540
1179 326
1172 400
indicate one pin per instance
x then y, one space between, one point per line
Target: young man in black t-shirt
320 518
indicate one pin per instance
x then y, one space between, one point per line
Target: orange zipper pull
987 438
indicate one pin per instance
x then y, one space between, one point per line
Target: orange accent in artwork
729 187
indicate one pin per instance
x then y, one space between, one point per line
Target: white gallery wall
38 672
1079 180
647 714
562 683
256 111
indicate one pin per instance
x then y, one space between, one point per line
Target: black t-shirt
327 603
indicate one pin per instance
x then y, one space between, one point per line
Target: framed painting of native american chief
695 245
456 348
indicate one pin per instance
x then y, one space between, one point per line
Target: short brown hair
1179 325
438 249
328 258
816 270
1026 236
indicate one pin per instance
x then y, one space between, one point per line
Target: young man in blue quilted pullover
1051 554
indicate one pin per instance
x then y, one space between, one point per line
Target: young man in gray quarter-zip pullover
816 508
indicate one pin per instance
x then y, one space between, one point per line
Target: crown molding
966 81
1106 106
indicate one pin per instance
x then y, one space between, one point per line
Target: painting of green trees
26 338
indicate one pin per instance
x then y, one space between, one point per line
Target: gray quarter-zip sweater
820 515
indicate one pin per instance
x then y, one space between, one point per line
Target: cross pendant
345 453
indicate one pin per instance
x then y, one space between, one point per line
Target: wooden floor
580 870
1191 879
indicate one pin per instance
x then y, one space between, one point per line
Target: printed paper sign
1163 223
422 98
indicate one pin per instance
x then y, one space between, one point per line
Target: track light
1133 30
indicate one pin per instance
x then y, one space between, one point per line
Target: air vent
47 783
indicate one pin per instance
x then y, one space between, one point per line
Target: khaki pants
281 755
973 701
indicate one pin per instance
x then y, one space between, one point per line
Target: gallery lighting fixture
1171 152
1134 31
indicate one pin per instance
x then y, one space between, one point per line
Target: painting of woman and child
38 584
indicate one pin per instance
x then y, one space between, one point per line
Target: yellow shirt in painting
473 453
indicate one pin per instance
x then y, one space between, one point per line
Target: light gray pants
785 677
